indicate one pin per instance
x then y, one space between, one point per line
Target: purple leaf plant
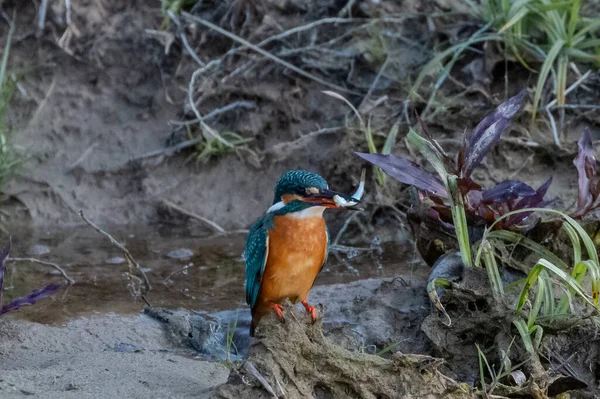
588 197
487 205
26 300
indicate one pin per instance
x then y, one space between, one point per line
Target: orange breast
297 250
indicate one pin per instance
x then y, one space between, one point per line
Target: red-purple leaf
535 201
30 298
585 162
474 198
435 216
406 172
488 132
506 191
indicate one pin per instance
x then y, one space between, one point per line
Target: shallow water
211 279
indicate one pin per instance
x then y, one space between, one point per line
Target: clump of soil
293 359
476 317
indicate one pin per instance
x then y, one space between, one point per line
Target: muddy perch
297 361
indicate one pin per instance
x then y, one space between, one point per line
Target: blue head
308 189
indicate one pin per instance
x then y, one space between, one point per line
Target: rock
117 260
181 253
38 249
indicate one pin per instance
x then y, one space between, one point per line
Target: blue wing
257 249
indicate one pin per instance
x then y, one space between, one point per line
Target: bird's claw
278 308
310 309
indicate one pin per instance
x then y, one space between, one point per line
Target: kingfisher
287 247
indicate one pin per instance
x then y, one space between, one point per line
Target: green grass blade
516 238
390 140
429 152
525 335
570 281
585 237
537 339
549 302
575 242
590 25
483 359
561 79
529 281
537 304
594 270
372 149
590 43
546 67
489 259
434 64
515 284
515 19
4 64
573 19
576 54
435 299
460 220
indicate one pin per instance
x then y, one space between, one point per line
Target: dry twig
252 370
43 262
193 215
130 260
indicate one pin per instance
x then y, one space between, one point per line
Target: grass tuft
11 159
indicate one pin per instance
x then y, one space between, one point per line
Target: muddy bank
89 113
103 356
365 316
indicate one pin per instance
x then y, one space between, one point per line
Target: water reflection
210 277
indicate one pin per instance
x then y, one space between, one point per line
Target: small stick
193 54
553 126
256 374
42 262
343 229
42 14
572 87
193 215
216 112
199 116
176 148
130 260
83 156
68 12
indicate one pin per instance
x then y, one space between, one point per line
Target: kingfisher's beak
333 199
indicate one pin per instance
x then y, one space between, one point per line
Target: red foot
278 309
311 310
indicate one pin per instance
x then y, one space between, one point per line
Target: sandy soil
103 356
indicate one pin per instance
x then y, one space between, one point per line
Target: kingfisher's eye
312 190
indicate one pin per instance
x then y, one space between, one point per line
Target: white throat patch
312 212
